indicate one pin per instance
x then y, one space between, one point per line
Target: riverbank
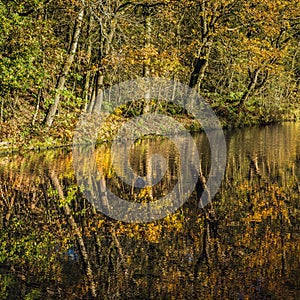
19 134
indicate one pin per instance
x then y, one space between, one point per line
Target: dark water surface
244 245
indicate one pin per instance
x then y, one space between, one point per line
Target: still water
244 245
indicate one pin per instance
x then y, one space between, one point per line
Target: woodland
57 56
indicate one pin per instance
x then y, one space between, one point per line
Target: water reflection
245 245
136 207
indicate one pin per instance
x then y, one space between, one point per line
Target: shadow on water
244 245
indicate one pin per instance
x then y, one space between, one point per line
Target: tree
213 16
66 67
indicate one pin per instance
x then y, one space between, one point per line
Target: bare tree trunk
106 35
146 66
147 28
66 68
200 66
88 75
99 91
253 81
97 98
202 59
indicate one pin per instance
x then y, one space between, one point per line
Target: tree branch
32 10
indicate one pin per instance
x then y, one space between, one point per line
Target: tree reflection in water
244 245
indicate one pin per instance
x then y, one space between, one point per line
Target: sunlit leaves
23 44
